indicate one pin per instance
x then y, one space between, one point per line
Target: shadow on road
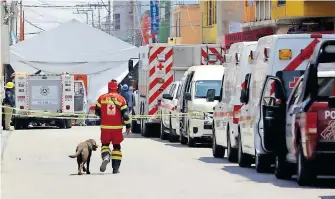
251 174
212 160
94 174
327 197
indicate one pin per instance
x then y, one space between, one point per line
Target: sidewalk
4 137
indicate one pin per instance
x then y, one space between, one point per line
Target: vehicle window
326 87
296 94
289 79
267 92
173 87
202 86
178 91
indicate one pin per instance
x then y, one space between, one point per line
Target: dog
83 155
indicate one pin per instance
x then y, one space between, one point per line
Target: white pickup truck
44 99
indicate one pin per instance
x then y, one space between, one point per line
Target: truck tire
135 128
244 160
61 124
305 174
263 163
17 124
218 151
146 128
163 135
282 168
68 123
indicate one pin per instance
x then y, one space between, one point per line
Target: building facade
123 20
187 24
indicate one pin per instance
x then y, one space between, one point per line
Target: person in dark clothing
128 95
8 103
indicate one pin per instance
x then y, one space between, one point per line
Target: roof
76 48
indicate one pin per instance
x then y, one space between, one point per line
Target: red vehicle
301 132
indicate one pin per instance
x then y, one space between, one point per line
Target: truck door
184 108
271 126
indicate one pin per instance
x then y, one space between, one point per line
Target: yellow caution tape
55 115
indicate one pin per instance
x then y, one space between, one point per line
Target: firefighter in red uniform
113 111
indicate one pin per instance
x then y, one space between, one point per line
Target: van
195 112
226 112
276 55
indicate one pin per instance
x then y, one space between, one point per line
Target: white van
226 112
276 55
196 121
168 111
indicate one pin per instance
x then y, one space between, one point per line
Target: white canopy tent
76 48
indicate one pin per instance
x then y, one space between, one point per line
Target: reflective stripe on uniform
105 149
111 127
127 122
98 104
110 101
124 107
116 155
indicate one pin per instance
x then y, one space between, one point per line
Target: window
210 13
178 91
281 3
326 87
202 86
117 22
171 93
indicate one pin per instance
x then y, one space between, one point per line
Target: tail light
309 134
67 107
236 113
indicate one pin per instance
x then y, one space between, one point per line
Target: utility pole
82 12
99 22
109 18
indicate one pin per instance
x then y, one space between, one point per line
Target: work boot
104 163
116 165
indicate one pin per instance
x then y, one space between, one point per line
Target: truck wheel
263 164
146 129
243 159
68 123
134 127
218 151
163 135
231 152
172 135
17 124
61 124
282 168
305 174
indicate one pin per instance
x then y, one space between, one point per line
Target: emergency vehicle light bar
212 58
285 54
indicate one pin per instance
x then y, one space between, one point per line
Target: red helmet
112 85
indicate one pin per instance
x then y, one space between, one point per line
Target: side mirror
188 96
167 96
130 65
210 97
331 102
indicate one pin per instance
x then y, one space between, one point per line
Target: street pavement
36 166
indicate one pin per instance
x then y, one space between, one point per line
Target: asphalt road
36 166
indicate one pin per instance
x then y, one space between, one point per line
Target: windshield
202 86
326 87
